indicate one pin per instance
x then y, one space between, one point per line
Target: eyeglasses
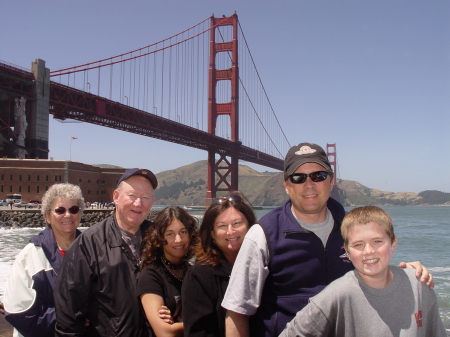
232 198
62 210
300 178
224 227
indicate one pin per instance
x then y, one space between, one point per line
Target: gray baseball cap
305 153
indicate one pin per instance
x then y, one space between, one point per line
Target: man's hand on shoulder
425 275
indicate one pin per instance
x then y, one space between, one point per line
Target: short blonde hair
363 215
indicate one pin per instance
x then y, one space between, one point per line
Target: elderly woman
167 249
28 301
223 228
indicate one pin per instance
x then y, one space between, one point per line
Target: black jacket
202 293
97 282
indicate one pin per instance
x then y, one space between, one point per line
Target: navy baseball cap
139 172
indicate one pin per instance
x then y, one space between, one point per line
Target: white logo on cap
305 149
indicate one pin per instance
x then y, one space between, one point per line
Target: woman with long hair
222 231
167 250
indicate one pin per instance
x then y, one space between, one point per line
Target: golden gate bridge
198 88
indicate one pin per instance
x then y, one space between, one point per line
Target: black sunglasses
300 178
233 198
62 210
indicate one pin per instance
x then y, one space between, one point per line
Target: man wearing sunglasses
293 253
95 292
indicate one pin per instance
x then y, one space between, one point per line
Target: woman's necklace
169 266
172 265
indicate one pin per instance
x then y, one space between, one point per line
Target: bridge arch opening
223 91
223 128
224 34
223 61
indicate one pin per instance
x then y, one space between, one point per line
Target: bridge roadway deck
70 103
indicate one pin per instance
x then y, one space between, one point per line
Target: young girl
168 247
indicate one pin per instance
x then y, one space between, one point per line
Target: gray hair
65 190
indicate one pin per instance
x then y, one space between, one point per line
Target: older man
294 252
95 292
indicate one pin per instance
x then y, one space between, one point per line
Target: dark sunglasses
233 198
62 210
300 178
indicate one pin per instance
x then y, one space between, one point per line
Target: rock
35 219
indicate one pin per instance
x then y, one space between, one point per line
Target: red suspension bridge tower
219 170
165 85
331 153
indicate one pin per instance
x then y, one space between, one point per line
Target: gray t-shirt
134 242
322 230
348 307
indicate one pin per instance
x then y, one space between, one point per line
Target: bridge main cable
87 66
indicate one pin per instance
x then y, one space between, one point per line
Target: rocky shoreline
34 219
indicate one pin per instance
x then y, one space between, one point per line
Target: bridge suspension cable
281 151
169 79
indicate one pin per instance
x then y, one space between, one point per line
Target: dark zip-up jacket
299 266
97 282
29 303
202 293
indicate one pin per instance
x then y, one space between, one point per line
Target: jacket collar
290 223
223 269
114 236
46 240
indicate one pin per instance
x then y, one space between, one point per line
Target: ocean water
423 232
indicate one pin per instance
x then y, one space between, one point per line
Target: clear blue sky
371 76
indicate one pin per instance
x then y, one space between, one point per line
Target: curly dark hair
152 246
208 252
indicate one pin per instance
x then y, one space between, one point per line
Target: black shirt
156 279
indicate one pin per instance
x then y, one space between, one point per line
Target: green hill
186 185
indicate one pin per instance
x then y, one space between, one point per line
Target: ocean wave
439 269
4 230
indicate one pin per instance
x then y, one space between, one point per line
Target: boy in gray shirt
375 299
